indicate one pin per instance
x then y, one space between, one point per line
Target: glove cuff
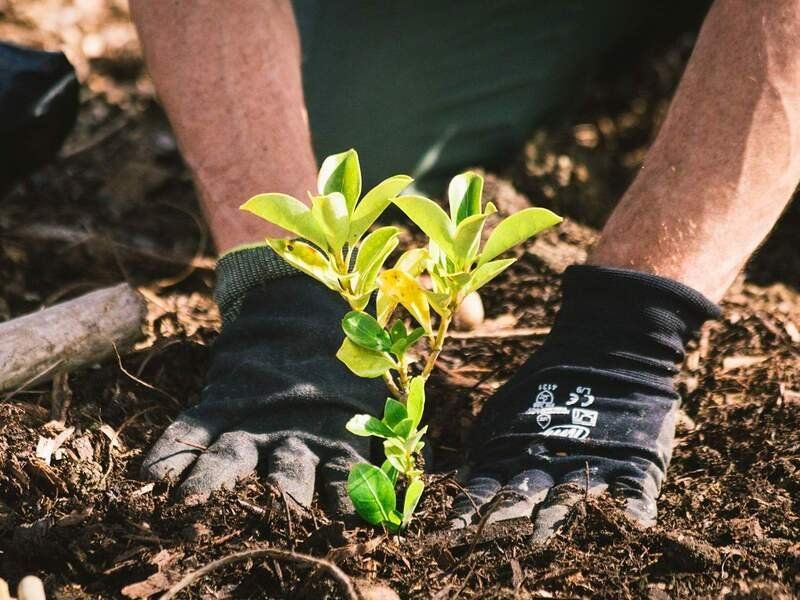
624 319
242 269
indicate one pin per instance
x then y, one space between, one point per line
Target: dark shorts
429 87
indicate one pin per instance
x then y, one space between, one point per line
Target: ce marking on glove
581 394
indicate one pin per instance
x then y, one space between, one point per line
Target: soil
118 205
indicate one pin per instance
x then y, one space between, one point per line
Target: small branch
438 344
335 572
393 389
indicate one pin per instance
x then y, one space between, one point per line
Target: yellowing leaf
363 362
430 218
516 229
384 307
286 212
341 173
374 203
406 290
307 259
330 213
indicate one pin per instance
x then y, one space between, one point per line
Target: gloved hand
277 396
595 405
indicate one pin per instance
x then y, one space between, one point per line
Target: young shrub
333 246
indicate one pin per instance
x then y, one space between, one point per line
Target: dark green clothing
429 88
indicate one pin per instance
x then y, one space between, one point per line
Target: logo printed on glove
574 432
544 405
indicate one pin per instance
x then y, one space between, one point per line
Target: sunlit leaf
286 212
396 454
372 253
464 194
468 238
363 362
307 259
413 261
415 405
411 500
438 302
341 173
406 290
516 229
330 213
394 412
367 425
485 273
374 203
372 493
430 218
362 329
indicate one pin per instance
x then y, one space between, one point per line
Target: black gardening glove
277 396
596 404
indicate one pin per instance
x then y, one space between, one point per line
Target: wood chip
737 362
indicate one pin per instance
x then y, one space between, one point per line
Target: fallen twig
335 572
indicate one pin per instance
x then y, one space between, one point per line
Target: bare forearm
229 76
727 158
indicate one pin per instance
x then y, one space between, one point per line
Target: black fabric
277 397
595 405
38 107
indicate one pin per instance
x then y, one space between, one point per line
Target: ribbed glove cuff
240 270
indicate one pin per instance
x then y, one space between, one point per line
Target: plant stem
393 389
403 374
438 344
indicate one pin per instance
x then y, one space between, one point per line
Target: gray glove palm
277 398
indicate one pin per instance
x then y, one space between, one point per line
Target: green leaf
438 302
516 229
363 362
395 521
430 218
404 428
464 194
398 331
362 329
415 405
401 287
367 425
307 259
286 212
396 454
485 273
330 212
468 238
374 203
410 502
393 413
341 173
372 253
390 471
400 346
372 493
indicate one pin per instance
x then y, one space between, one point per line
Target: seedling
428 282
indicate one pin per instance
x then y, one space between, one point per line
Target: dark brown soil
119 205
